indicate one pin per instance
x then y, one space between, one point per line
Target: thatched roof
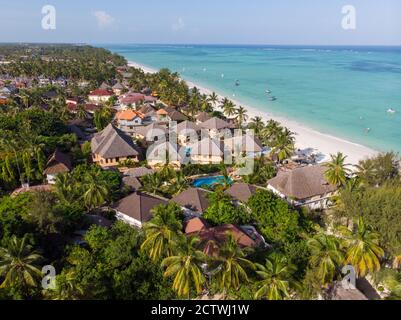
193 199
138 206
339 292
113 143
241 191
203 116
302 183
216 124
58 163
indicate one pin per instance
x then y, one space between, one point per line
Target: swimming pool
210 181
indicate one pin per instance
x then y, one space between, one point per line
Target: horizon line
198 44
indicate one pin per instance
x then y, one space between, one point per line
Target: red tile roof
129 115
101 92
131 98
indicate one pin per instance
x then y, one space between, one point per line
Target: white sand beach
306 138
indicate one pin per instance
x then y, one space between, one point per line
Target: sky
277 22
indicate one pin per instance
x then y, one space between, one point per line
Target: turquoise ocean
340 91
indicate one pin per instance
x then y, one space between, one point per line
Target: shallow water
336 90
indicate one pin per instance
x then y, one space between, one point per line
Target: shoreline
306 138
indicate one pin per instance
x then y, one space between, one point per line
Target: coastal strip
306 138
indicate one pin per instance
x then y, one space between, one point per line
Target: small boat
391 110
268 91
273 98
237 83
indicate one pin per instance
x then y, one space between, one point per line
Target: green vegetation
304 251
53 61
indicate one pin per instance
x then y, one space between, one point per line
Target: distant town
137 186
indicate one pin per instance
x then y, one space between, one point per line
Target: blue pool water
336 90
210 181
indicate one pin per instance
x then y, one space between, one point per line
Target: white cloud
104 20
179 25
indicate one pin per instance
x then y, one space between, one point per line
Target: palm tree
263 171
326 257
241 116
19 264
184 266
95 192
65 186
229 108
178 184
213 98
366 172
152 183
234 265
67 288
205 105
363 249
270 132
161 232
257 125
337 170
81 113
283 145
276 278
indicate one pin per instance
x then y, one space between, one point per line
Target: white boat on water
391 111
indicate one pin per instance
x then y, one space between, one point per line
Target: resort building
196 225
187 132
118 89
133 184
241 192
149 113
3 100
128 120
216 127
168 114
100 96
111 146
193 201
152 133
161 153
305 186
206 151
139 172
88 107
211 237
131 100
245 144
58 163
202 117
136 209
